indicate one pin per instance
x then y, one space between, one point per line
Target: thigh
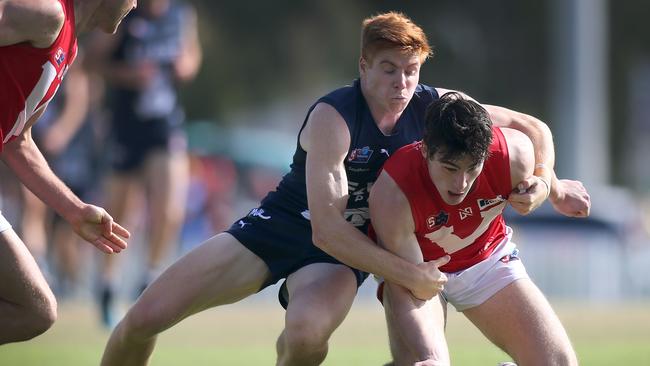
167 177
520 321
219 271
321 293
21 279
431 318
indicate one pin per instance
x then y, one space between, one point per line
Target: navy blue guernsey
369 149
156 40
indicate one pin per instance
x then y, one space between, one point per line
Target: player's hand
571 198
529 195
434 279
98 228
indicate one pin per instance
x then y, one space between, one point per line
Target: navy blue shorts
283 240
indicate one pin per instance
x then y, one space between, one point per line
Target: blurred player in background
441 200
156 49
38 42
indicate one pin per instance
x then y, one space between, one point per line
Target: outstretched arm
91 222
326 139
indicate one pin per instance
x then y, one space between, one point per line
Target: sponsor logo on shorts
241 224
306 215
258 212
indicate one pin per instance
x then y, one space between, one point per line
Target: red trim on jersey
30 76
470 231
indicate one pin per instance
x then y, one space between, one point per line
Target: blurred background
582 66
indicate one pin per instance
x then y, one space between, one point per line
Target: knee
306 335
138 325
39 318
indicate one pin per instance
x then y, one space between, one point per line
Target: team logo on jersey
59 56
465 212
436 220
485 203
361 155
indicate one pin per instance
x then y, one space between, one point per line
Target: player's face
110 13
390 79
453 179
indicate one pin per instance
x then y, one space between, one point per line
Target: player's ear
363 65
424 151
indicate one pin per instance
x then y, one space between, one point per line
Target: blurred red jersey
469 231
29 76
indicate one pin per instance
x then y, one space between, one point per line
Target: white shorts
474 285
4 224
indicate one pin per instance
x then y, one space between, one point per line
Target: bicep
521 155
392 220
326 140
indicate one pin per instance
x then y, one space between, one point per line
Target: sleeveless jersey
158 41
30 76
369 149
470 231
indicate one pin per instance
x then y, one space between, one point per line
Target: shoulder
325 125
386 193
35 21
520 153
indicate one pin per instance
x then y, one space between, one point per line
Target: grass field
244 334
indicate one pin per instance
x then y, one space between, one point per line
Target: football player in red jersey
441 200
38 42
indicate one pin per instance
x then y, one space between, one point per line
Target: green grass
245 334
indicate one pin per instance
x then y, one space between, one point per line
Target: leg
220 271
401 310
320 296
519 320
167 176
27 305
123 198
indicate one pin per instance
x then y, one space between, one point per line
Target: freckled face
390 79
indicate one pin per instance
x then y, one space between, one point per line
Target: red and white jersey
469 231
29 76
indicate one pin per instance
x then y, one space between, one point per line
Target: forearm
28 164
350 246
536 130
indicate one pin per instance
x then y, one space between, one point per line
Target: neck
83 14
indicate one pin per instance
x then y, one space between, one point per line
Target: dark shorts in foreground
283 240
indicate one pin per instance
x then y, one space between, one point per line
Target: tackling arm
326 139
417 323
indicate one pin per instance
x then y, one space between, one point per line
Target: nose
400 81
461 182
